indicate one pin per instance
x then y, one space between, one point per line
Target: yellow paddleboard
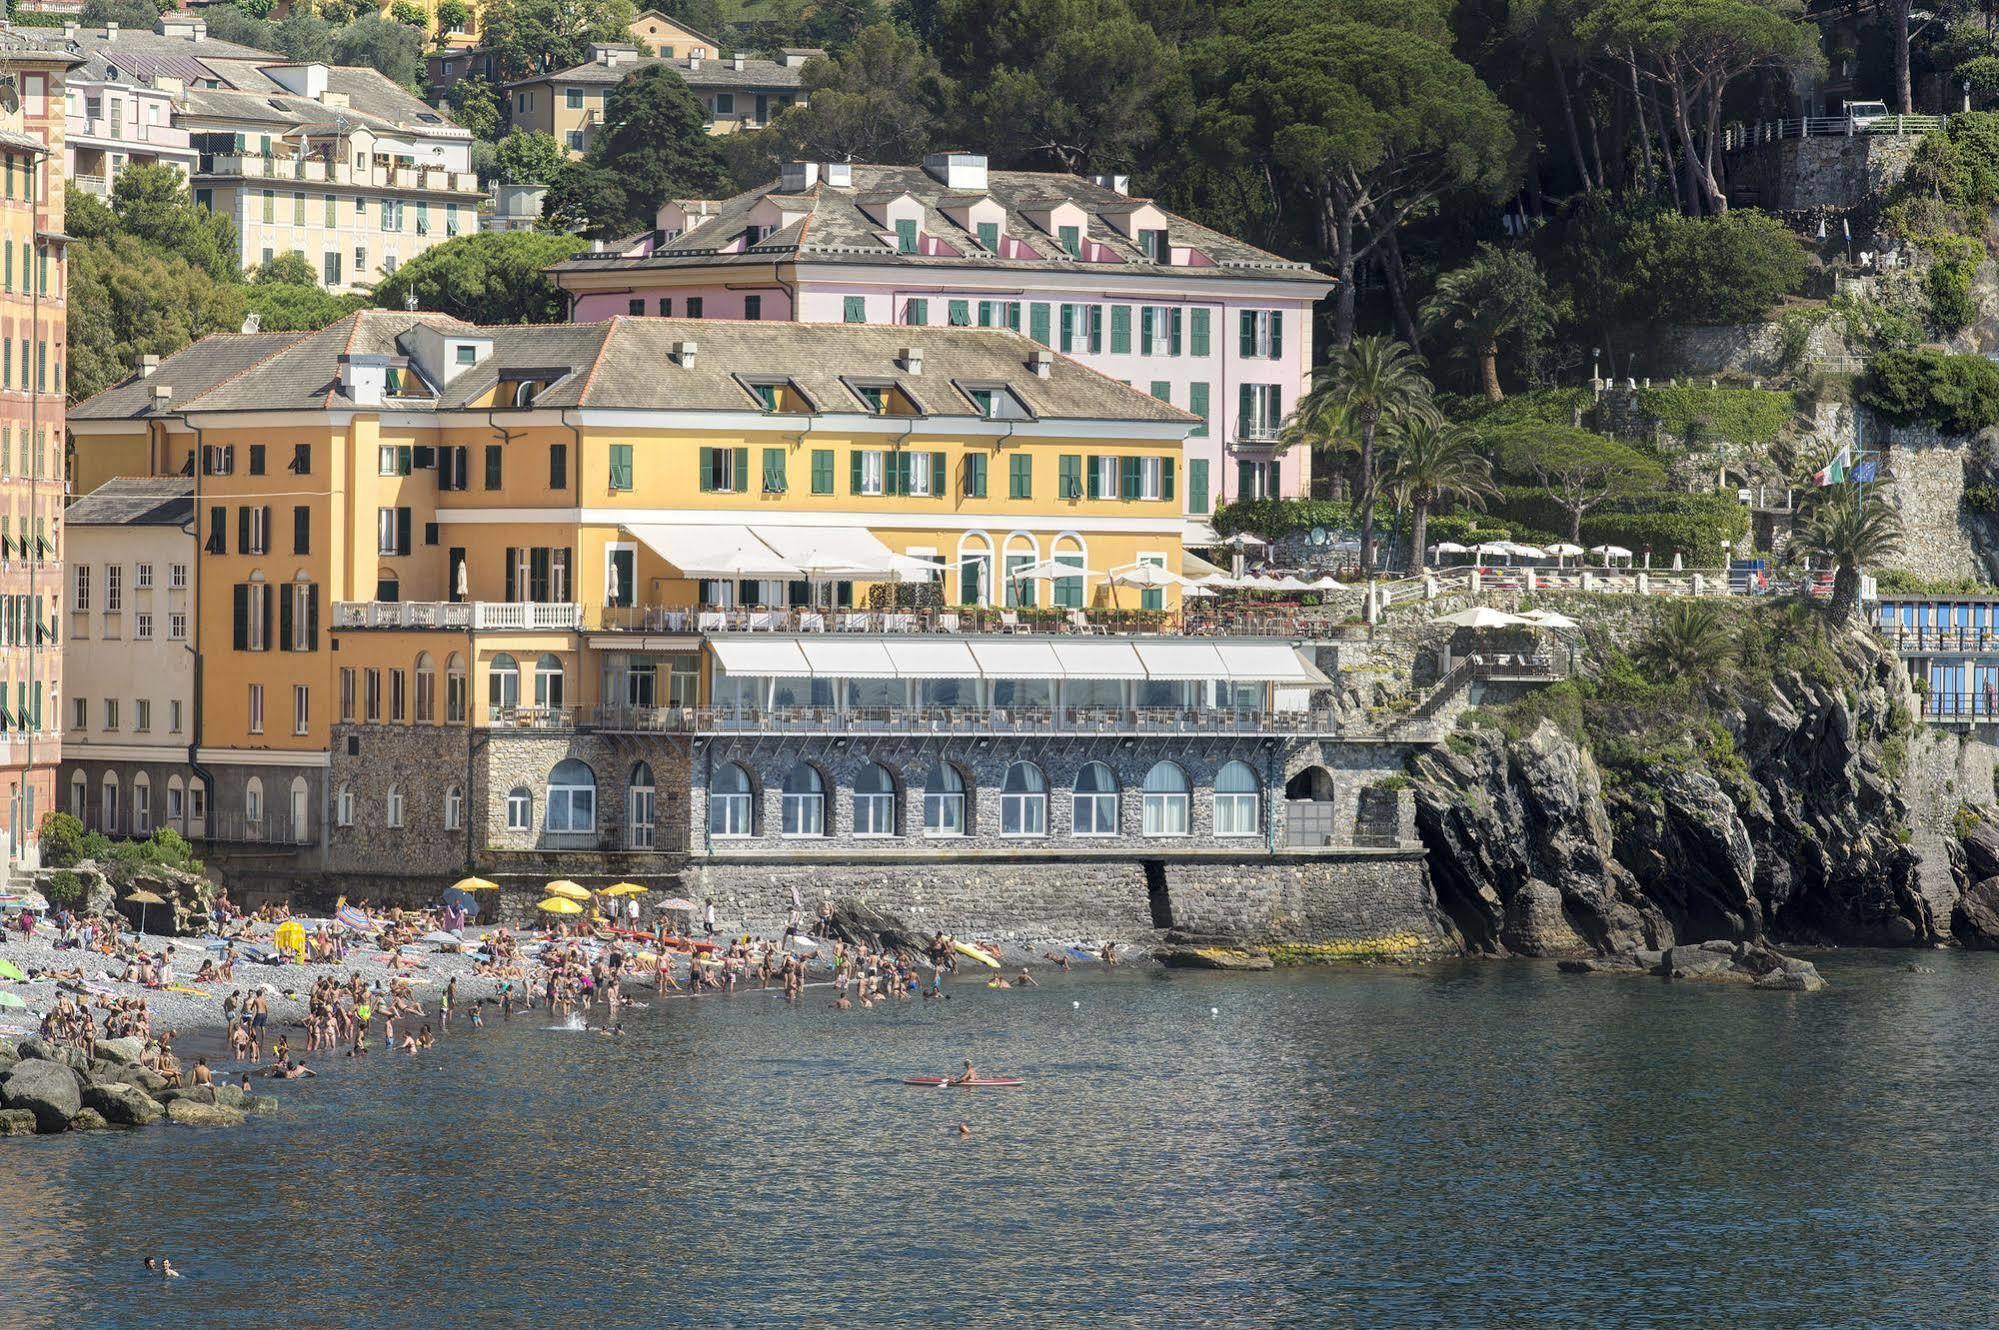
182 988
966 949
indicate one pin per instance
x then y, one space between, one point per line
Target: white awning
1268 662
1198 533
1181 661
777 656
714 551
847 658
923 658
1099 660
841 551
1016 660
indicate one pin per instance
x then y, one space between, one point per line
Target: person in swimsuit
969 1074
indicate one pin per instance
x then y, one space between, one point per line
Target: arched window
107 807
639 807
343 806
1096 801
387 588
548 682
503 683
454 689
729 805
975 569
78 797
142 805
1021 551
804 802
1068 591
253 807
301 811
1165 800
1024 801
1237 796
395 806
572 797
874 801
426 689
944 801
176 804
454 809
520 809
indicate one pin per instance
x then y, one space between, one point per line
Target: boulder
230 1096
1623 963
144 1077
16 1122
43 1051
1792 981
259 1105
47 1089
189 1113
126 1105
1981 850
88 1119
121 1051
1702 963
1212 958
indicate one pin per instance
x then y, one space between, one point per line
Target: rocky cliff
1794 833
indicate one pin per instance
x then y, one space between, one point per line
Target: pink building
1214 326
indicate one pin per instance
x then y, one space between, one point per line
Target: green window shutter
1243 409
1072 240
404 458
898 474
1175 319
989 236
1197 334
960 313
1197 404
1070 477
985 313
1276 334
1037 322
855 309
822 470
621 466
975 475
1163 390
742 462
1128 477
918 313
938 478
1120 329
1147 329
773 471
1197 485
905 235
854 472
1243 482
1068 340
1248 347
1166 478
1020 474
1092 482
1096 328
707 471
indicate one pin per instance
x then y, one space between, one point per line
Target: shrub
1695 532
64 888
1947 284
1739 415
1277 517
1466 528
61 840
1954 394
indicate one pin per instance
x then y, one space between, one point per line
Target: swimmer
964 1129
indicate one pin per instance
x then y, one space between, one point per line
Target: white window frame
919 474
256 708
873 471
520 809
343 807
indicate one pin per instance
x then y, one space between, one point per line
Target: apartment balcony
91 184
956 722
128 133
1278 621
317 170
241 829
475 615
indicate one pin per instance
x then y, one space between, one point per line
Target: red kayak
982 1083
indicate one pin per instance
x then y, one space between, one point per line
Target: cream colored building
736 92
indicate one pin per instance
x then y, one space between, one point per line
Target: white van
1861 115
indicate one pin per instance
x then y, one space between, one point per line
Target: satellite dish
1317 535
10 95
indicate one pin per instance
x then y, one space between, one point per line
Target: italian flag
1835 470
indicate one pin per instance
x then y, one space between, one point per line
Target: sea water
1469 1144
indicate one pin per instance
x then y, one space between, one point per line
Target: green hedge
1955 394
1277 517
1543 406
1693 524
1739 415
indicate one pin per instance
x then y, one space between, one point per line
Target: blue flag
1865 472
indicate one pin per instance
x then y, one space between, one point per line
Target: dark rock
189 1113
17 1122
1975 922
1704 964
145 1078
259 1105
47 1089
88 1119
126 1105
859 924
1622 963
230 1096
1212 958
121 1051
1981 850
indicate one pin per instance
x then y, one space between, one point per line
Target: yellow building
737 92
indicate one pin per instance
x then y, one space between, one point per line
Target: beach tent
290 938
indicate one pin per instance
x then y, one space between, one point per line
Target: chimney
69 32
840 175
163 394
911 359
1116 184
1041 362
797 177
110 31
694 64
964 172
683 353
148 365
739 62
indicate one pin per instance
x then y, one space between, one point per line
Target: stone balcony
314 170
956 722
476 615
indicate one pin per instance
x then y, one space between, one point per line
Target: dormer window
996 401
883 397
524 393
1072 241
779 396
905 235
1152 244
754 235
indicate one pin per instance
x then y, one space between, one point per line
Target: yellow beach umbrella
625 889
557 905
564 887
475 884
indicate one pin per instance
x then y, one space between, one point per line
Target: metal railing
1279 620
961 721
242 829
536 616
1829 126
1962 705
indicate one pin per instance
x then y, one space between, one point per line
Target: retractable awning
847 658
715 551
1181 661
841 551
777 656
933 659
1268 662
1099 660
1017 660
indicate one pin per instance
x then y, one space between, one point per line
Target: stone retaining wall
1385 902
1833 173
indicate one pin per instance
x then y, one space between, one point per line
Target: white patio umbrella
1147 575
1288 582
1502 548
1561 549
1048 570
1610 552
1525 551
1197 591
610 583
1449 547
1550 619
1243 540
1677 564
1329 583
1482 616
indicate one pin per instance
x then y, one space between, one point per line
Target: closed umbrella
464 589
565 888
611 584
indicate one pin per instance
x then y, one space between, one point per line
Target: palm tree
1432 461
1689 639
1321 425
1843 526
1499 294
1372 380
